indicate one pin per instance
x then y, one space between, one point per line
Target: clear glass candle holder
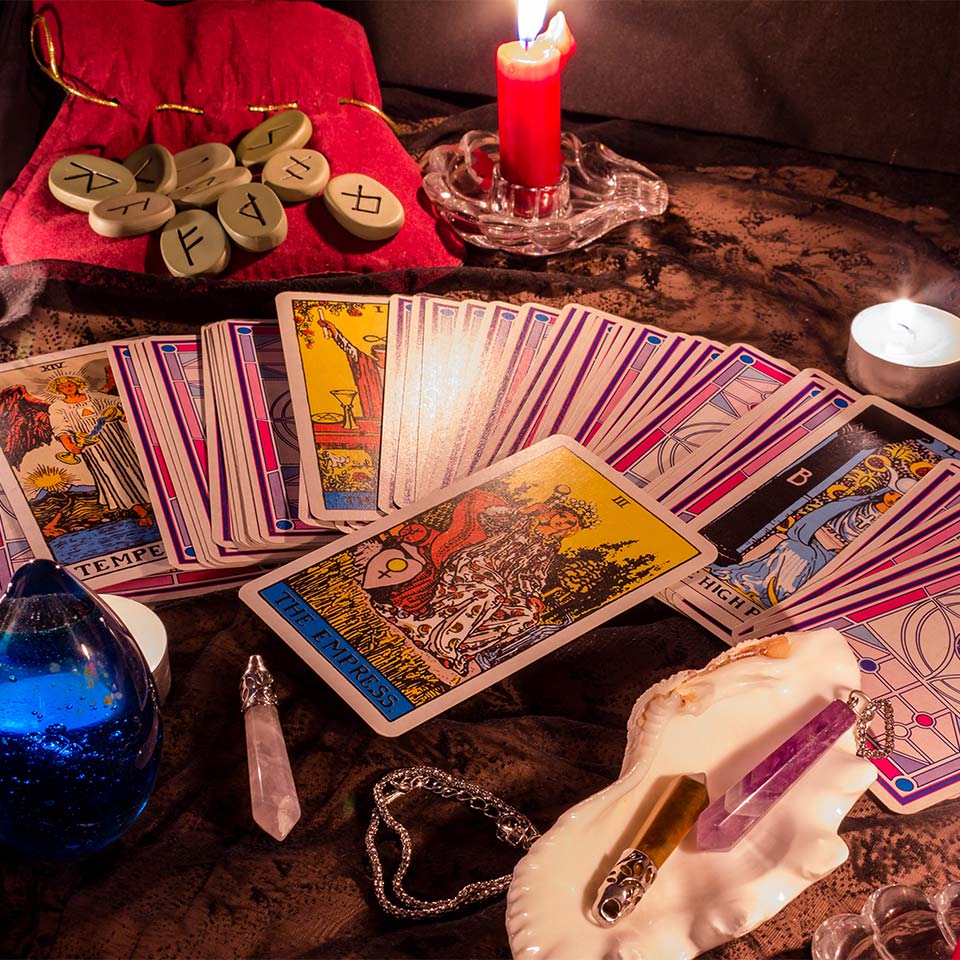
897 922
598 191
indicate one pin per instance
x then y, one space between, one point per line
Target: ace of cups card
335 349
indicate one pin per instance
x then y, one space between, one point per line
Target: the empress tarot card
424 608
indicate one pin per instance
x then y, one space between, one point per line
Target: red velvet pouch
222 57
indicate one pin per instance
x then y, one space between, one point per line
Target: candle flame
530 16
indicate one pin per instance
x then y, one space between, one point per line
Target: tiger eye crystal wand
670 820
273 794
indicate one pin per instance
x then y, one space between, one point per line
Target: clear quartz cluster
273 794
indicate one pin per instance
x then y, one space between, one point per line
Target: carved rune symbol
125 207
251 210
373 201
182 237
269 141
143 166
90 174
196 163
292 174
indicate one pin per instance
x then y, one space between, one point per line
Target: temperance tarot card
70 470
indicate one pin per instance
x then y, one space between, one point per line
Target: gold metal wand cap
670 820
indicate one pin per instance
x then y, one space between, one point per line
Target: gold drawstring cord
253 108
179 108
52 69
270 107
372 109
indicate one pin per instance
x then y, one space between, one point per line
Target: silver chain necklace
512 828
866 709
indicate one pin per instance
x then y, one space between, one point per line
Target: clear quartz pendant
273 794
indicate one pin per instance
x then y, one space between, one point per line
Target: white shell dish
721 720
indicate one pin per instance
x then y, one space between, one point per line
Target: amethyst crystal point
730 816
79 723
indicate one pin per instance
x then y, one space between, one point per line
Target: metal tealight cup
912 380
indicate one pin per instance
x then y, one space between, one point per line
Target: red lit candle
528 96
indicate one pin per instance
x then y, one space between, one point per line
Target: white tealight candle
907 352
151 635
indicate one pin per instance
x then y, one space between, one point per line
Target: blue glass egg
80 727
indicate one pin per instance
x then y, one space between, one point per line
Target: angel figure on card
89 426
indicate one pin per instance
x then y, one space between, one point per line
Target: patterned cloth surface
760 244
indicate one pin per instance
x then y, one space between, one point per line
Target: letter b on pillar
800 478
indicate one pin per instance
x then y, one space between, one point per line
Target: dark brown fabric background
870 78
767 245
876 79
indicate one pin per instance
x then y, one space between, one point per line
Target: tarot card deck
455 488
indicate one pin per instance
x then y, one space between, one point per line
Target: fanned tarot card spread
264 426
432 604
335 350
70 470
774 534
721 394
